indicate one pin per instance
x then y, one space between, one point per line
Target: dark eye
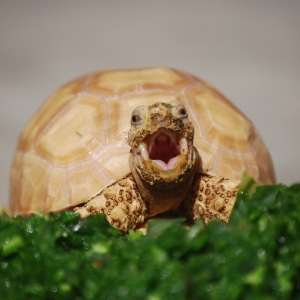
136 119
182 112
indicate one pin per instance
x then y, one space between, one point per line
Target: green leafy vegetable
169 105
255 256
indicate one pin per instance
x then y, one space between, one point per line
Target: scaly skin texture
210 198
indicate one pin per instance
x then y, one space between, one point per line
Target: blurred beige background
250 50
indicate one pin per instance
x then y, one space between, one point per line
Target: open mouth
163 148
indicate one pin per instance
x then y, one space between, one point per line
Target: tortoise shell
75 144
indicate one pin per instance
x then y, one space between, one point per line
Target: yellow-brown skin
75 145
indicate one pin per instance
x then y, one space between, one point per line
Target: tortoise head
162 158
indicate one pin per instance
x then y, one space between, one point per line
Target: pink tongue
163 149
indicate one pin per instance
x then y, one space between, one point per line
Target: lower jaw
166 166
149 171
163 190
153 172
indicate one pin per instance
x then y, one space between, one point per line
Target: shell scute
263 161
230 163
34 180
68 130
58 188
218 122
114 161
116 83
48 111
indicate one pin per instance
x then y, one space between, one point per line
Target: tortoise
134 144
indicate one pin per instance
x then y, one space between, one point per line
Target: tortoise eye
136 119
182 112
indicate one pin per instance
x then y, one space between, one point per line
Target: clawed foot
210 198
122 204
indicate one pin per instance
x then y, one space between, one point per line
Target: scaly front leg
210 198
122 204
